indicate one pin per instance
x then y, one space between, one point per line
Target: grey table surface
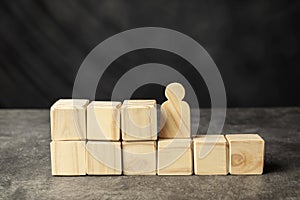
25 171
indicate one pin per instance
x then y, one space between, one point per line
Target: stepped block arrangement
210 155
110 138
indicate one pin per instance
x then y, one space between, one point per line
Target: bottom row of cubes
204 155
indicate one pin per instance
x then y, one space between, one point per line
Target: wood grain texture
139 120
103 120
139 158
68 119
103 158
175 157
246 153
210 155
175 113
68 158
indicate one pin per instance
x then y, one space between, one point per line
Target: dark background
255 45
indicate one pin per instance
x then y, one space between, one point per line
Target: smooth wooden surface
175 114
210 155
68 119
175 157
26 167
103 158
139 120
68 158
246 154
103 120
139 158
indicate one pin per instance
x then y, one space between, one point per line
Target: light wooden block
175 113
68 158
210 155
68 119
103 120
139 158
175 157
103 158
246 154
139 120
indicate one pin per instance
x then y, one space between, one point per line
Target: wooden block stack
68 133
175 155
86 139
139 134
103 148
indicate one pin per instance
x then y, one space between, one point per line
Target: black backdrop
255 45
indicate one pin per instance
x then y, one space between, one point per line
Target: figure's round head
175 90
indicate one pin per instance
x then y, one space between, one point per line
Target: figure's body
175 113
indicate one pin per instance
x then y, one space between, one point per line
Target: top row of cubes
76 119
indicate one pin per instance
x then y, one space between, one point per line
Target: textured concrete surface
25 163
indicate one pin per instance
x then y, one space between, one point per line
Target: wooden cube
246 153
139 158
103 120
175 157
103 158
210 155
68 158
68 119
139 120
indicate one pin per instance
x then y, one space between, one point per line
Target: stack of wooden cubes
103 147
139 135
68 134
110 138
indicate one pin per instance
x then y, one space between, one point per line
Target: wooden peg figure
175 113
